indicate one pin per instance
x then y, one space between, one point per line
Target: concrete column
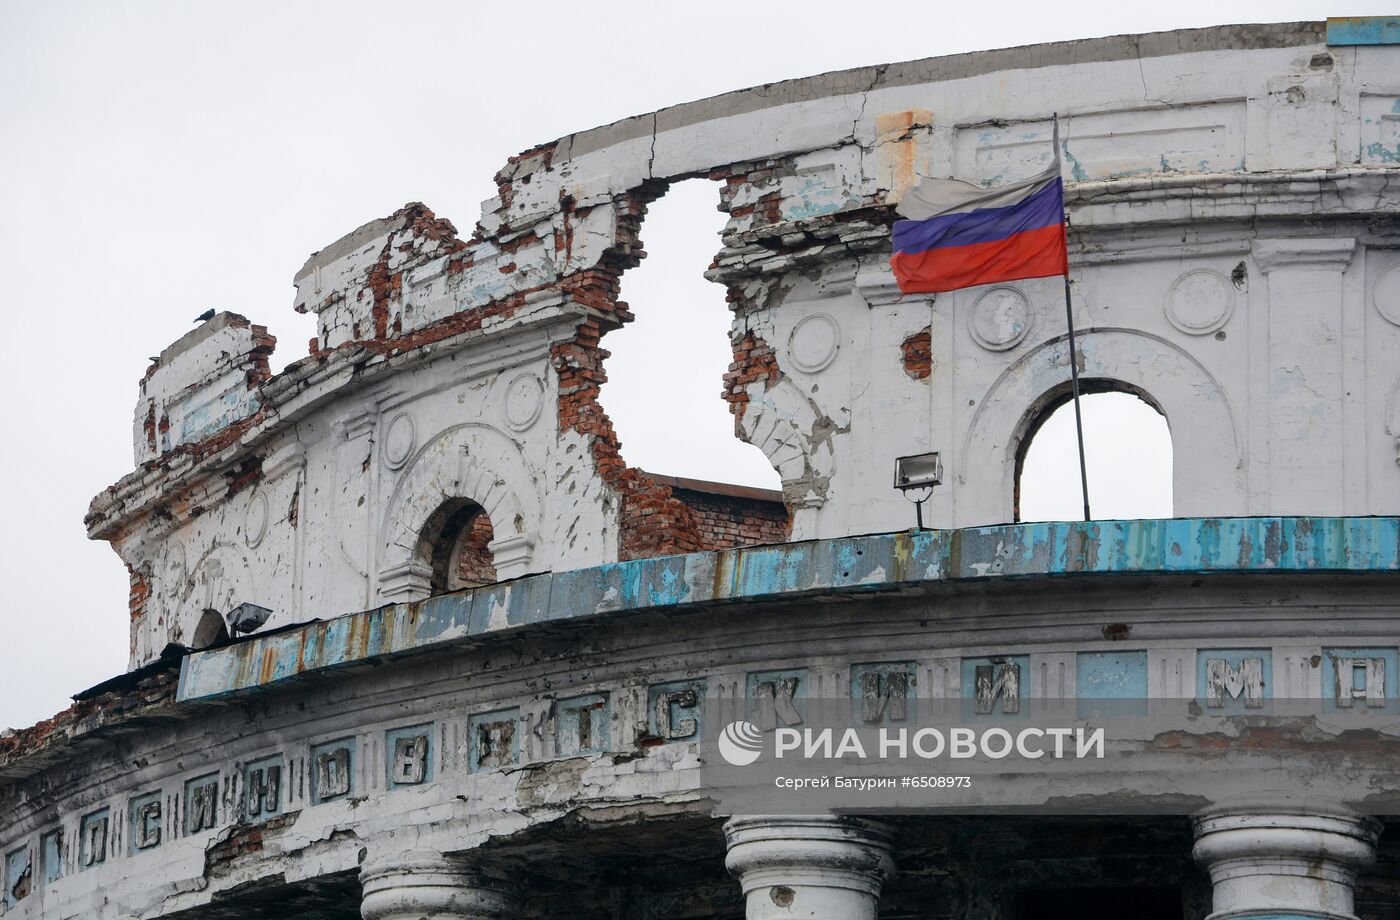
814 868
425 885
1283 862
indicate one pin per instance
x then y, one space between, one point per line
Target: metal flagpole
1073 356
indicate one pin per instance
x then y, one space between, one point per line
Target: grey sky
160 158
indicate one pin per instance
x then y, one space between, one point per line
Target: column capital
415 884
834 866
1283 859
1297 252
877 285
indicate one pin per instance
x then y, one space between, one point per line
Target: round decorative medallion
1386 295
814 343
399 437
1001 319
255 519
524 400
1200 302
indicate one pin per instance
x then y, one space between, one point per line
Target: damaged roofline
937 69
290 395
1169 546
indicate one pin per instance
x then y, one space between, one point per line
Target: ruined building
494 648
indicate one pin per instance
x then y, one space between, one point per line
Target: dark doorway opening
1078 903
456 543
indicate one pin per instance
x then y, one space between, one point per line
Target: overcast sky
161 158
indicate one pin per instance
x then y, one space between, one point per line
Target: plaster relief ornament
400 437
524 400
814 343
1200 302
255 520
1386 295
1001 319
503 674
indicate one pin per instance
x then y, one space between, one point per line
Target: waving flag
959 235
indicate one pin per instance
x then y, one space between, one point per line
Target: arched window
1127 450
456 543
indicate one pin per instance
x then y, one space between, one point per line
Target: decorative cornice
1296 253
304 387
896 561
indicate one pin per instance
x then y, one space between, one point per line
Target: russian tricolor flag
960 235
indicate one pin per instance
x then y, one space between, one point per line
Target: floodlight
247 617
915 476
918 471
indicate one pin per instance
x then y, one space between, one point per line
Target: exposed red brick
242 840
725 521
474 563
149 694
263 345
149 427
753 361
652 520
140 592
505 184
385 286
918 354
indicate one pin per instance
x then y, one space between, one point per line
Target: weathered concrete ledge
947 67
869 563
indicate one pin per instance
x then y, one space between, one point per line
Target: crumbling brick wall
753 362
203 389
653 520
474 563
724 521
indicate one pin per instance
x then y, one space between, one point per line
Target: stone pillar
814 868
425 885
1283 862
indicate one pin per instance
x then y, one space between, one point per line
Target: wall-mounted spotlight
246 617
915 476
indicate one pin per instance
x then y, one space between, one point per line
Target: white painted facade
1235 255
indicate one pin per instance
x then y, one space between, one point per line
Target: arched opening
210 630
666 368
1127 452
456 545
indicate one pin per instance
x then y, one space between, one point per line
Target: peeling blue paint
815 200
17 864
1076 171
1380 152
1111 683
215 414
882 562
1389 691
1363 30
1235 658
